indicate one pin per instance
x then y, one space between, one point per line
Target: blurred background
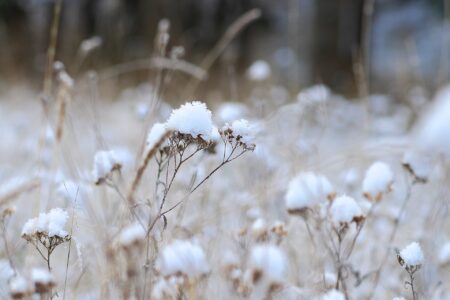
398 44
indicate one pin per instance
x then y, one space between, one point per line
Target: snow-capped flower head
164 289
51 223
43 280
333 295
192 118
307 190
377 181
239 132
314 95
268 264
411 257
133 235
259 71
154 137
344 210
444 254
419 164
19 288
184 258
105 162
47 229
259 229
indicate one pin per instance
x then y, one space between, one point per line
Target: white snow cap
378 179
241 128
270 261
419 163
19 285
306 190
41 276
104 163
132 234
259 71
51 223
344 210
333 295
184 257
156 133
412 254
192 118
444 254
6 271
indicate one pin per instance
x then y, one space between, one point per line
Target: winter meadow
221 171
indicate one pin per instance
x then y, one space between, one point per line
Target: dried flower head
268 263
377 181
307 190
239 133
43 281
105 163
411 257
132 236
183 258
20 288
344 210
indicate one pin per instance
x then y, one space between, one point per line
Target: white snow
6 271
132 234
104 163
412 254
156 133
259 71
182 256
192 118
333 295
51 223
269 260
444 254
420 163
434 129
242 129
42 276
19 285
344 210
306 190
378 179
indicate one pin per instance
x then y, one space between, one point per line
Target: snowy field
276 197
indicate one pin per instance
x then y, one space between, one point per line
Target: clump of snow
345 210
259 70
155 135
6 271
183 257
192 118
51 223
268 261
418 163
306 190
377 181
132 235
444 254
41 276
259 228
412 255
242 130
314 95
333 295
164 289
19 287
105 162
